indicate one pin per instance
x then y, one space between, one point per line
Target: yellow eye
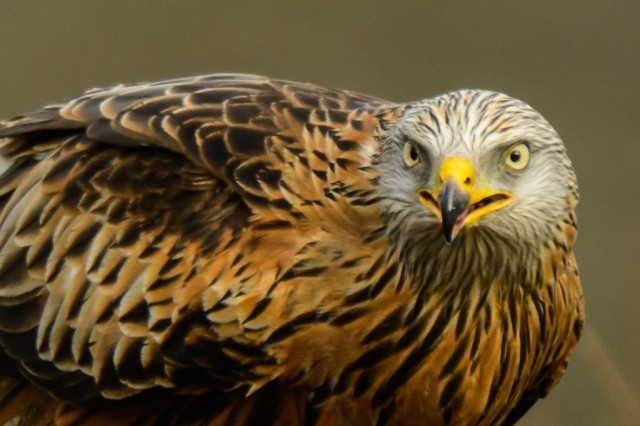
411 155
517 156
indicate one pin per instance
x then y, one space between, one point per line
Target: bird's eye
517 156
411 155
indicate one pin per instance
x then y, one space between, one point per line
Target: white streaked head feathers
478 126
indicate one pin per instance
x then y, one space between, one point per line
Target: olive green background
578 62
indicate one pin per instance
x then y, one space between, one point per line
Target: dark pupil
413 154
515 156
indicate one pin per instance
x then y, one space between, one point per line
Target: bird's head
472 163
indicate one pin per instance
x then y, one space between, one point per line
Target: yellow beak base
456 201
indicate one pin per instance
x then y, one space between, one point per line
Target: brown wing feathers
118 205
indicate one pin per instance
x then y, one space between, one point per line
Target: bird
230 249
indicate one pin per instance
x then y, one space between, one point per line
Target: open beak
456 200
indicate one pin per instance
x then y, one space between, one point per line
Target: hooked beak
456 201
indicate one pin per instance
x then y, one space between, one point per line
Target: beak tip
449 236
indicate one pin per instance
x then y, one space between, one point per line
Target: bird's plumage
238 250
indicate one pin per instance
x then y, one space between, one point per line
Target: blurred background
578 62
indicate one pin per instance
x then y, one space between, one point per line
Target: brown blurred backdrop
576 61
